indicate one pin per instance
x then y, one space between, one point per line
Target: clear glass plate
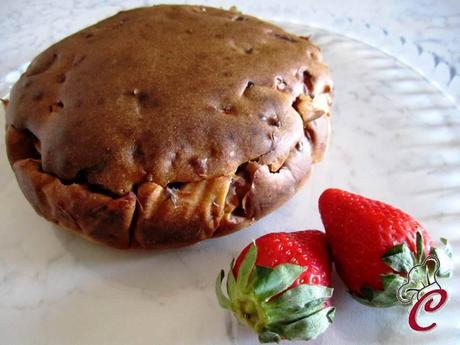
396 137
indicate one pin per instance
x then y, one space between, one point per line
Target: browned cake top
166 94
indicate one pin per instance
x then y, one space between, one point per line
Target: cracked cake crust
163 126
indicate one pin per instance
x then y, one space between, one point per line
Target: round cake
167 125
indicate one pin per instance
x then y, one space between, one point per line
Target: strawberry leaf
289 315
419 244
231 283
262 273
270 282
399 258
223 300
447 247
269 337
246 268
444 256
308 327
300 297
298 303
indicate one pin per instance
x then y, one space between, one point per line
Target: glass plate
396 137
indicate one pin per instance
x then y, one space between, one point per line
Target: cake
163 126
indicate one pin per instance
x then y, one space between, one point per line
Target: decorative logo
422 286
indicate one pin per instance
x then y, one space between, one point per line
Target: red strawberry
280 286
304 248
375 245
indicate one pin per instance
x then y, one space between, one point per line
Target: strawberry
280 286
374 246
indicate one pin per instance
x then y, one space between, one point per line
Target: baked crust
163 126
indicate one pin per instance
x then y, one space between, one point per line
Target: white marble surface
396 137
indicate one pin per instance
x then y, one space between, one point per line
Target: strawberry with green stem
280 286
375 245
